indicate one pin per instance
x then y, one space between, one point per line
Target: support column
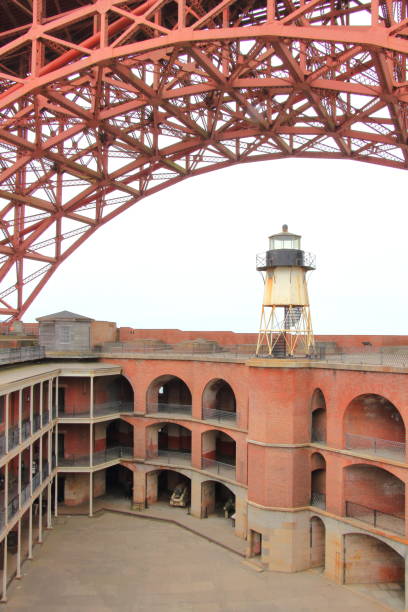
49 495
19 481
4 593
40 498
30 532
91 398
31 470
90 494
91 445
41 404
20 416
56 396
31 410
18 569
6 421
6 492
56 495
195 497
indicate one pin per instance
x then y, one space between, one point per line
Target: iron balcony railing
305 259
223 469
212 414
376 518
14 432
164 408
114 407
170 456
109 454
13 505
318 500
375 446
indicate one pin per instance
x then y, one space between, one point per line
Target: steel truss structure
103 102
285 331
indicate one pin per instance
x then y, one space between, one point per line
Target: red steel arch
103 102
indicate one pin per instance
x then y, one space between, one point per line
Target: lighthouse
286 327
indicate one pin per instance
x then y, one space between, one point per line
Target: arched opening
169 442
218 453
219 403
168 487
169 395
218 500
112 394
318 481
375 496
318 430
374 568
118 440
372 424
119 482
317 542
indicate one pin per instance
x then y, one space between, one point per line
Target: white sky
185 257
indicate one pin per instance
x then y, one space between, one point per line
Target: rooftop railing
375 446
376 518
370 356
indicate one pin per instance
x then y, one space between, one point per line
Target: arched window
219 402
169 394
318 429
373 425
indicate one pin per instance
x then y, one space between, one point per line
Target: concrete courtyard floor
116 562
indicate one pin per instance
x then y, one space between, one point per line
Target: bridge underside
104 102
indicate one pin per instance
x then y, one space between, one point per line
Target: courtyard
119 562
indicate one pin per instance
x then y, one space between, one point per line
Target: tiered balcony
99 410
371 516
13 505
173 457
227 470
389 449
98 458
223 417
162 408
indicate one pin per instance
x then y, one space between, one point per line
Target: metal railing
114 407
13 505
375 446
164 408
318 500
223 469
170 456
212 414
376 518
25 353
103 456
357 355
14 432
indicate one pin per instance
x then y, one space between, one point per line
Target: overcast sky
185 258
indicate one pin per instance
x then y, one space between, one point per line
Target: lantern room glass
284 241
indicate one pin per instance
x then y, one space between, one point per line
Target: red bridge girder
104 102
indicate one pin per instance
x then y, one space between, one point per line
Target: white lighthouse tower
286 325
